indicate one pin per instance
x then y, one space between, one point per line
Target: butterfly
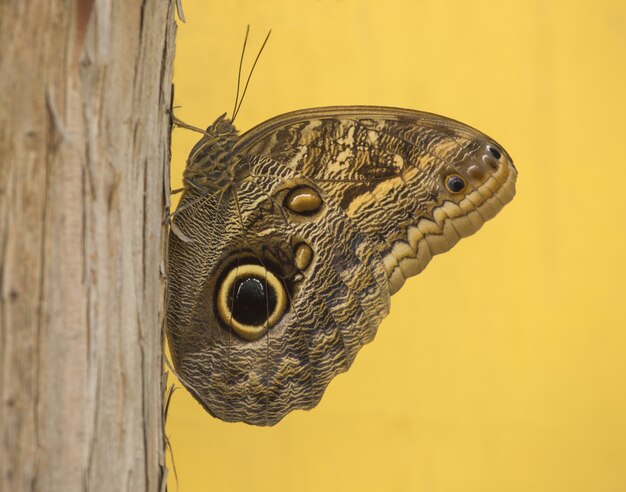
290 239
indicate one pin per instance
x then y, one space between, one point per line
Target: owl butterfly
290 239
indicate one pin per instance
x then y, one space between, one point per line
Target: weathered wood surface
85 91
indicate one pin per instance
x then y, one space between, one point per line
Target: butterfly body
291 238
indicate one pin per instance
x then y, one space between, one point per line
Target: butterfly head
222 127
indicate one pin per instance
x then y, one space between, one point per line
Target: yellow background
502 366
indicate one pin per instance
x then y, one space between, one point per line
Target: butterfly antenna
250 75
243 52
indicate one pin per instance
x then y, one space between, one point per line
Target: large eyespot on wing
257 361
250 299
335 306
397 173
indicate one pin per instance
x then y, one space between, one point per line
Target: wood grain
85 91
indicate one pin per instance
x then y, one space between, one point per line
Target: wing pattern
336 208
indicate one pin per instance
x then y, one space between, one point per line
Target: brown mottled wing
380 174
383 167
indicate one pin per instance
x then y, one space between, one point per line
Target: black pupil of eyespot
456 184
252 301
495 152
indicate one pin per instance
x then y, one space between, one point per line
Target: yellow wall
512 377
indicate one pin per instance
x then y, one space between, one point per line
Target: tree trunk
85 91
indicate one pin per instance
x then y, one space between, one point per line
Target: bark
85 92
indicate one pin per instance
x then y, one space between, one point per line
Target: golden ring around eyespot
251 332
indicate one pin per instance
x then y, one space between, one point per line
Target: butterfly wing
289 271
385 167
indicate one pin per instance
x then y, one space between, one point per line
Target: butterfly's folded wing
376 209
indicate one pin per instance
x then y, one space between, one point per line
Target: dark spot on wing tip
455 183
494 151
